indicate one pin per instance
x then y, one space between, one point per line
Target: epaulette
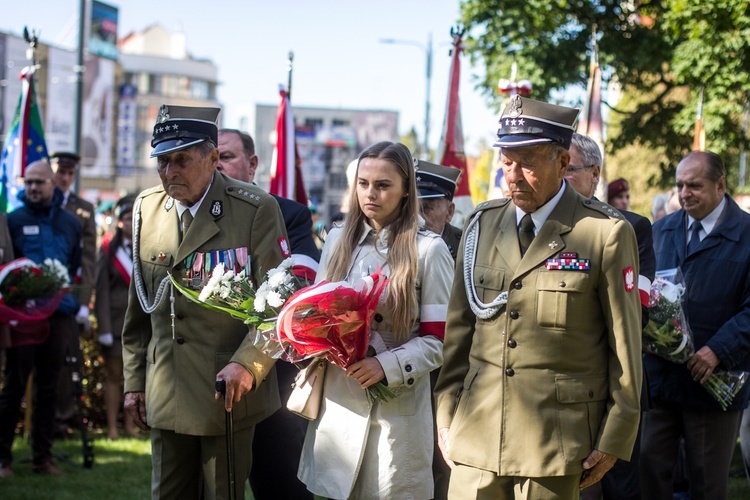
150 191
490 204
249 193
601 207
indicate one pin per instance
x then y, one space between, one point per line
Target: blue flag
23 145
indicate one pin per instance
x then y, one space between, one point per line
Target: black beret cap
436 181
526 122
182 127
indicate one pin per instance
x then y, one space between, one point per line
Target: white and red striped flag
451 149
286 168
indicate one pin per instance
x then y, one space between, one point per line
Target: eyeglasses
38 182
576 168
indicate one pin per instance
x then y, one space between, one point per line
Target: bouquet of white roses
234 294
667 333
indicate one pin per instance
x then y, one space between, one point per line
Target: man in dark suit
539 393
709 240
65 164
623 480
174 350
437 185
279 438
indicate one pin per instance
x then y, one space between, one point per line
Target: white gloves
106 339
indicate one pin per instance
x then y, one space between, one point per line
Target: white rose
275 299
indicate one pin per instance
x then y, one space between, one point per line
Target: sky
339 60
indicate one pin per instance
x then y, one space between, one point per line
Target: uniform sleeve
136 334
622 315
459 334
268 241
424 353
6 244
88 260
102 304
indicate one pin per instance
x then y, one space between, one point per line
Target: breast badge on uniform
568 261
217 208
629 274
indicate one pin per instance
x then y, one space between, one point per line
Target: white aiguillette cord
479 308
140 288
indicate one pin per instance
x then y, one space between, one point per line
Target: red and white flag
286 168
451 149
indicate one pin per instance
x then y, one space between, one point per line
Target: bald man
40 229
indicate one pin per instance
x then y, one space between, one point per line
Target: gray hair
588 149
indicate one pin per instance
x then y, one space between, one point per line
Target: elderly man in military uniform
173 350
539 392
437 185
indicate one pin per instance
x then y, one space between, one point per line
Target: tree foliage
661 53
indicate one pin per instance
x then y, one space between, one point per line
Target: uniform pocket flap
470 376
154 254
562 281
581 390
489 277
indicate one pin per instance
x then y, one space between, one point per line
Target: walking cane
221 388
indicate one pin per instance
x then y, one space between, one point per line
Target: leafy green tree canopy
660 52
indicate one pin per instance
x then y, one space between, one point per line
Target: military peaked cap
436 181
526 122
182 127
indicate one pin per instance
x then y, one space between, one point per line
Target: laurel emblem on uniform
163 114
516 104
216 208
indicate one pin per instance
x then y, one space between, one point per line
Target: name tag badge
31 230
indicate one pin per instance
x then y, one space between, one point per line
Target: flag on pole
286 167
699 136
590 122
24 143
451 148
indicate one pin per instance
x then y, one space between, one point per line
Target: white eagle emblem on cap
516 106
163 114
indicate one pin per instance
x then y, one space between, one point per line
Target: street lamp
428 72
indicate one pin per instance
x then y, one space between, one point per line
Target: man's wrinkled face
436 212
534 174
39 186
583 178
187 174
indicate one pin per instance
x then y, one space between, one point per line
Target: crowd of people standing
512 345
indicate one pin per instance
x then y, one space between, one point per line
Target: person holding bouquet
359 447
709 241
114 267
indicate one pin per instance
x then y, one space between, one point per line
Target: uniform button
180 340
410 381
563 284
591 394
514 315
509 372
512 344
407 368
481 280
177 267
179 316
517 285
378 317
153 257
587 202
230 189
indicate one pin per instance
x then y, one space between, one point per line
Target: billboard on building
103 33
59 119
126 130
98 117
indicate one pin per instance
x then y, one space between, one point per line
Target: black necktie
525 232
695 238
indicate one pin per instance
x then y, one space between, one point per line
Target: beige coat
178 374
557 372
